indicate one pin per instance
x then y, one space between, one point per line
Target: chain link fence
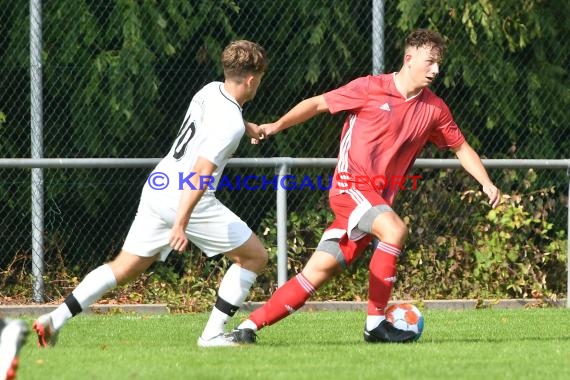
118 75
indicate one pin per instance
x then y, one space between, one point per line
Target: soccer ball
406 316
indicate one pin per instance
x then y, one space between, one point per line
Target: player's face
424 65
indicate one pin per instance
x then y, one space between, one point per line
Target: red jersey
384 133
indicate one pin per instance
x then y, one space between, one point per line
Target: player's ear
249 80
407 59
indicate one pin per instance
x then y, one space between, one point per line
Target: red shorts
348 209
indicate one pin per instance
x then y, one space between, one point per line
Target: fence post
282 171
568 243
37 196
377 36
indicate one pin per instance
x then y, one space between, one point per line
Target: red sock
287 299
382 277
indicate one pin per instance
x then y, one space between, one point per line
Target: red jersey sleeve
351 96
446 133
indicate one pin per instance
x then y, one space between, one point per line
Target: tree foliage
111 68
118 76
507 65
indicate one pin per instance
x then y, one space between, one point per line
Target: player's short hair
426 38
242 57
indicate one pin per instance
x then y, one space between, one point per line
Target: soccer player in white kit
13 334
178 203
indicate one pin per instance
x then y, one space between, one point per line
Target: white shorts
213 228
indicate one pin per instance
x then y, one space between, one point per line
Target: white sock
94 285
372 321
60 315
233 290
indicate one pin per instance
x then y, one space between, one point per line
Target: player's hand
178 240
493 193
270 129
254 131
265 130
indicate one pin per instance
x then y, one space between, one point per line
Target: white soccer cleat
221 340
12 338
47 335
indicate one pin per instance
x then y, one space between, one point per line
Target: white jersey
212 129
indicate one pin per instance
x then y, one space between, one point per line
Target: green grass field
472 344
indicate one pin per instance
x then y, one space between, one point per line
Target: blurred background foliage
119 74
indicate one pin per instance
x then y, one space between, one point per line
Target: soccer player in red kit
390 119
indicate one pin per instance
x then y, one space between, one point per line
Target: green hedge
509 252
458 247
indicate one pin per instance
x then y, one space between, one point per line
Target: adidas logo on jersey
385 107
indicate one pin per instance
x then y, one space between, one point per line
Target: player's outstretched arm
302 112
471 162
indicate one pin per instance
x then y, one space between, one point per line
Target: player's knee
394 231
401 230
398 234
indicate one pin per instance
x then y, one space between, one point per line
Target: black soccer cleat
243 336
387 333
